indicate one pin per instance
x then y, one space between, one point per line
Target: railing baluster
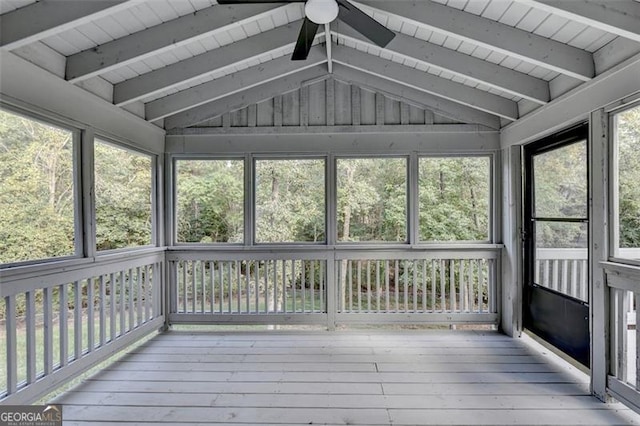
31 336
212 286
554 275
461 284
64 326
491 282
247 276
312 285
77 321
349 285
424 285
323 287
12 344
368 280
147 294
238 286
47 307
443 302
121 305
275 285
471 292
433 285
303 284
452 285
414 286
546 282
130 300
221 284
184 286
397 285
359 285
203 288
103 313
230 284
566 287
139 319
192 288
480 285
90 314
293 284
257 280
405 279
378 289
112 307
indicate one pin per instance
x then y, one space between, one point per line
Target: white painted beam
214 60
328 41
620 17
617 83
465 66
426 82
430 138
36 21
244 98
439 105
230 84
162 37
493 35
27 85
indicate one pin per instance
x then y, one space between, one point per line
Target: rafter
214 60
232 83
45 18
493 35
426 82
465 66
159 38
620 17
439 105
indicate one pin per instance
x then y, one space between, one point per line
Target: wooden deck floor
403 378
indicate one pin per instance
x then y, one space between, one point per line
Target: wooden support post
598 251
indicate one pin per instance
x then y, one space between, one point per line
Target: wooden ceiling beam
459 64
235 100
493 35
207 63
162 37
426 82
43 19
620 17
399 91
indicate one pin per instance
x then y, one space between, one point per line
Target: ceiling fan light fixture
321 11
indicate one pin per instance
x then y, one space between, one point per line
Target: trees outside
454 196
627 132
36 190
123 182
210 201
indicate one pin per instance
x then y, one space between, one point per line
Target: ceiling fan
320 12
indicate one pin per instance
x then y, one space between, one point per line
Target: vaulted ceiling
174 62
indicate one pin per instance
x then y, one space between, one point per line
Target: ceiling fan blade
258 1
364 24
305 39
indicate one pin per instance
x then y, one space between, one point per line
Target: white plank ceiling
503 57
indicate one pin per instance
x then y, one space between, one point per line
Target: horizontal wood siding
329 103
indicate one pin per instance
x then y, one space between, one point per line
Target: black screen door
556 292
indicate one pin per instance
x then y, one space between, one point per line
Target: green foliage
36 190
290 201
372 199
628 137
454 198
210 201
123 197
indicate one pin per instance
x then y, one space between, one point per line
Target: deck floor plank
363 378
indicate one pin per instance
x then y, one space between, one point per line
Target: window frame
155 213
408 203
493 202
76 157
614 175
254 158
174 199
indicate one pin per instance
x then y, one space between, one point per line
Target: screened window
123 186
454 196
37 194
626 128
290 200
372 199
210 201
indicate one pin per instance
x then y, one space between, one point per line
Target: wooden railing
332 286
58 322
564 270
